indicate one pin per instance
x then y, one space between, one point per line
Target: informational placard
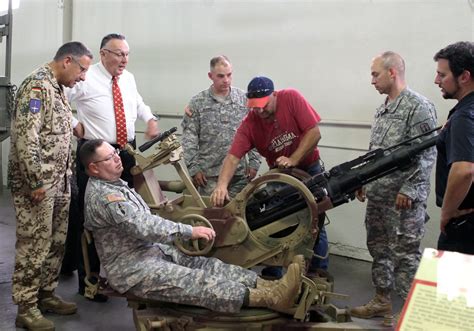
442 295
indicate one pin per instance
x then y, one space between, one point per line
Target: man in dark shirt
455 163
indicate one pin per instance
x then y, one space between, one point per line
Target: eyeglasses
83 69
110 156
259 93
117 53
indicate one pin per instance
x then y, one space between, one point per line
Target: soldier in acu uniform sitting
136 251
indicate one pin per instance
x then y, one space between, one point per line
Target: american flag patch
114 197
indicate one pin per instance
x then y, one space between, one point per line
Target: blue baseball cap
258 92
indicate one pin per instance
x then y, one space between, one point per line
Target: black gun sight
158 138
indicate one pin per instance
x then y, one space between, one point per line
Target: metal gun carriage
266 223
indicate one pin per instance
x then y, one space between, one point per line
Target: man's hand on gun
202 232
219 196
251 174
285 162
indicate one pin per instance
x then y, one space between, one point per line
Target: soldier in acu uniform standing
39 170
396 210
209 126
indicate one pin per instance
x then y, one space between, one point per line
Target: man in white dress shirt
96 114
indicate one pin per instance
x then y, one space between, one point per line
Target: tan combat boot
30 318
283 294
379 306
50 302
270 284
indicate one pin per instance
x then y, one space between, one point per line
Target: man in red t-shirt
283 127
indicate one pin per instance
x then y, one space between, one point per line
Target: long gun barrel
339 184
342 184
158 138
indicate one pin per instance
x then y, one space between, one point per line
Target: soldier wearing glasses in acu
108 104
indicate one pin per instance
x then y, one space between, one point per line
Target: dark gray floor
352 277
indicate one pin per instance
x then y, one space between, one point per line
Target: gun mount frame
273 241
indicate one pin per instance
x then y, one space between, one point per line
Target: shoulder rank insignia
424 127
35 106
114 197
39 75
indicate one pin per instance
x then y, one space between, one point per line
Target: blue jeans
320 248
321 245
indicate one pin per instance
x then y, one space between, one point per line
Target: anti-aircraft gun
275 216
338 184
265 223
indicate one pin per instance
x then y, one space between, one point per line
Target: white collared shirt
95 105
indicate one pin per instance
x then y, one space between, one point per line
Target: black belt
133 143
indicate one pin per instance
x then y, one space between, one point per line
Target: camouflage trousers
198 281
236 185
393 240
41 231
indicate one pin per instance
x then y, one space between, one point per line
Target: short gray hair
75 49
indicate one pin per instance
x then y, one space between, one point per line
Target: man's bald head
392 60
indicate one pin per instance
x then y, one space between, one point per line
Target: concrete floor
352 277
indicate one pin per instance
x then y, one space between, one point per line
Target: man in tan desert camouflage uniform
38 170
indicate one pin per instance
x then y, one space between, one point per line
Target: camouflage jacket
130 240
209 132
41 134
409 115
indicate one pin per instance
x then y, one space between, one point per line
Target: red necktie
120 123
